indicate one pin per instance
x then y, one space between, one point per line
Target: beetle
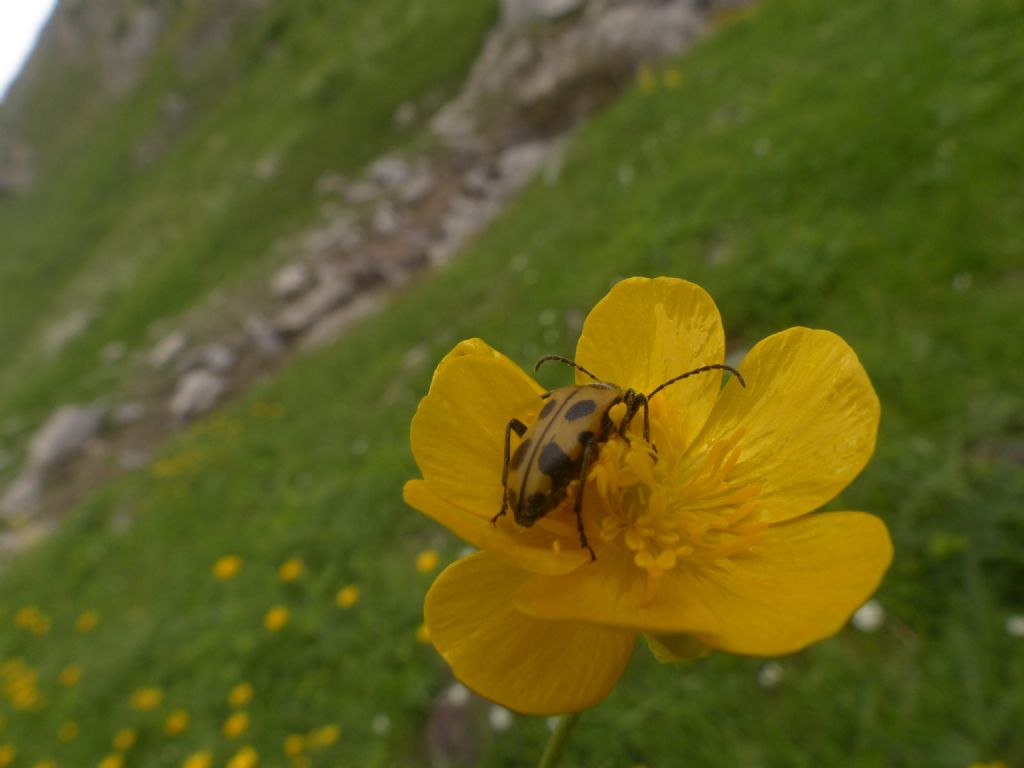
564 441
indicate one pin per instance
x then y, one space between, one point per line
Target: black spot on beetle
553 461
580 409
585 437
549 406
535 506
519 454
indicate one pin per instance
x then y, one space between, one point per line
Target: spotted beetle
564 441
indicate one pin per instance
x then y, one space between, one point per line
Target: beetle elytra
564 441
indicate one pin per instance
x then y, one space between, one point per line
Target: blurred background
236 237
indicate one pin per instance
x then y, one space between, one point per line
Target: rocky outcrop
59 439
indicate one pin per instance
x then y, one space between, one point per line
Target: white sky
20 21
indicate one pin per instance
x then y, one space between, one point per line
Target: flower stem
553 751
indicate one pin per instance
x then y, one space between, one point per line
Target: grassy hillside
138 214
852 168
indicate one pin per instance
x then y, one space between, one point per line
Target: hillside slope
863 177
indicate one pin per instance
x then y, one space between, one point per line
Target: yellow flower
176 722
87 621
295 744
240 695
124 739
276 618
68 731
423 634
70 675
44 764
198 760
147 698
7 755
113 760
347 596
702 543
426 561
236 724
324 736
227 567
290 569
27 617
246 757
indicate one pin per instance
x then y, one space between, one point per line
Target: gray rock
332 291
339 235
419 185
23 495
66 330
63 435
167 349
390 171
267 166
290 280
266 340
334 324
516 13
385 219
128 413
219 357
360 192
519 163
197 392
18 540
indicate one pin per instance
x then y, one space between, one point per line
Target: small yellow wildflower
673 78
710 543
26 617
236 724
113 760
423 634
87 621
68 731
198 760
227 567
291 569
246 757
70 675
176 722
124 739
44 764
276 618
347 596
295 744
7 755
147 699
240 695
324 736
426 561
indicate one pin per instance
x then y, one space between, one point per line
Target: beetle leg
589 454
520 429
647 429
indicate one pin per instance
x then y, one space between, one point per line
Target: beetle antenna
702 369
567 361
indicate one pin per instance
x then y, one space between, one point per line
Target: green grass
852 168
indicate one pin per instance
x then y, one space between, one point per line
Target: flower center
667 507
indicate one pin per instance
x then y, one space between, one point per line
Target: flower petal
646 331
796 586
799 585
809 415
458 431
529 549
526 664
